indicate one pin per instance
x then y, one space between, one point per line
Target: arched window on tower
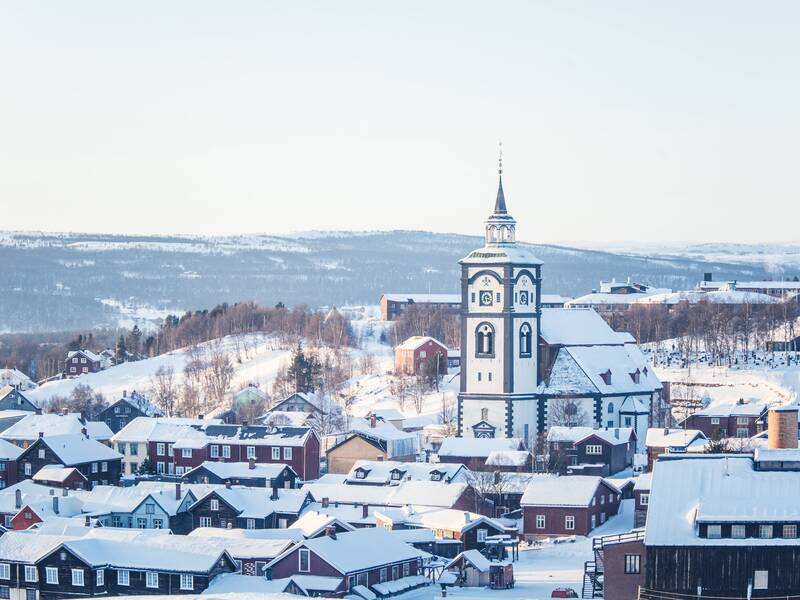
484 341
610 407
525 341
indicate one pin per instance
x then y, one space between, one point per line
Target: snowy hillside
71 281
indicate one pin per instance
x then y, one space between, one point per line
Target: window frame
569 522
48 571
77 577
187 582
27 574
123 577
147 580
632 564
301 554
541 522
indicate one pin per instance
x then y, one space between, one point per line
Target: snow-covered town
366 301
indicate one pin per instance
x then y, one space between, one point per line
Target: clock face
486 298
523 298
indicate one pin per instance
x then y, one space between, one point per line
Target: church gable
567 377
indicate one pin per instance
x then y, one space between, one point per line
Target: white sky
620 120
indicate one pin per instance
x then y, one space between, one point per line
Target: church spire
500 203
500 226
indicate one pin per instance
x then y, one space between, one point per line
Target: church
524 367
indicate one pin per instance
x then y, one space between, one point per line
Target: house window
31 574
251 523
644 499
186 452
160 449
395 572
406 569
213 504
104 467
602 499
742 432
276 454
361 474
569 522
632 564
594 449
540 521
226 452
251 452
5 571
187 582
304 558
481 535
72 369
51 575
41 452
283 523
287 454
760 580
628 421
134 449
790 531
141 523
742 421
715 420
525 341
169 449
610 407
382 574
351 582
160 467
436 476
484 340
765 531
77 576
150 509
214 451
101 577
152 579
738 531
205 521
27 468
123 577
179 470
714 532
158 524
94 468
5 591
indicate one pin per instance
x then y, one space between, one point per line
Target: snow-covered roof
554 299
293 535
715 297
424 493
380 472
140 403
249 435
387 414
9 451
658 437
75 449
560 433
601 298
166 429
424 298
520 254
360 549
751 285
513 458
739 408
256 502
241 470
55 473
576 327
415 341
777 455
643 482
477 447
437 519
29 427
14 377
615 436
473 557
313 522
572 490
93 356
717 488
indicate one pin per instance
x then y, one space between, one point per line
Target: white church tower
500 311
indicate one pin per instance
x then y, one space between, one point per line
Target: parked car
564 593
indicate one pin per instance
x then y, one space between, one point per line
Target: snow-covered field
256 359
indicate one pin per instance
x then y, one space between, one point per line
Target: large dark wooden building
118 414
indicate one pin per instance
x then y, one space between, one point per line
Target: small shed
473 569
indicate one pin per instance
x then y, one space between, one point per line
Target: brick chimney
18 499
228 484
373 421
178 490
325 500
65 491
55 504
41 434
124 393
364 511
274 485
251 463
87 521
84 432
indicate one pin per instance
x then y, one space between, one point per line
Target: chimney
228 484
616 432
330 531
666 430
365 511
274 485
467 517
85 432
782 427
200 417
87 521
244 423
41 434
124 393
18 499
55 504
325 500
65 491
178 490
251 463
373 421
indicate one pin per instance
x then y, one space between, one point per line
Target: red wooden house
413 356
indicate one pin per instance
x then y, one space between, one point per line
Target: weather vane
500 160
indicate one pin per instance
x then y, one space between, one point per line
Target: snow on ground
256 358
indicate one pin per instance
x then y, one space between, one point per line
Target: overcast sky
643 121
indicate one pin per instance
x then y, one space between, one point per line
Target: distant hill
69 281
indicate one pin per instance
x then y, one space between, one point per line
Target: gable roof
57 473
572 490
242 470
615 436
380 472
311 399
477 447
72 449
256 503
416 341
157 429
576 327
658 437
424 493
313 522
29 427
139 402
